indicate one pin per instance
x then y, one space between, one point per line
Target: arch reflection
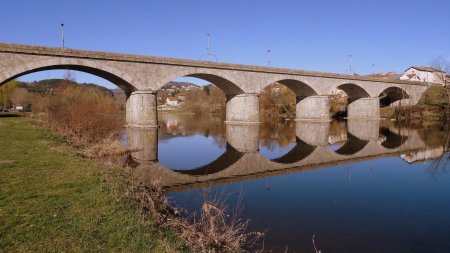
224 161
242 160
393 140
300 151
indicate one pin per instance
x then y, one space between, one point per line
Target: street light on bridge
62 34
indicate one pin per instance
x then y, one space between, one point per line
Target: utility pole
351 59
62 34
208 49
209 46
268 57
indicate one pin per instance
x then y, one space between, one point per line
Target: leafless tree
443 77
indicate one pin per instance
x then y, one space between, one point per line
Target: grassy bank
53 201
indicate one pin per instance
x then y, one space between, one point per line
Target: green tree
6 92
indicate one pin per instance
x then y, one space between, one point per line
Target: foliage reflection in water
358 186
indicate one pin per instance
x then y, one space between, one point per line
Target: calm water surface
363 186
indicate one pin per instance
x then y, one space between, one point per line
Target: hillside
44 86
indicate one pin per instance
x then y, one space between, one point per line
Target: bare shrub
82 114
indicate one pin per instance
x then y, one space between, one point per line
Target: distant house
172 101
424 74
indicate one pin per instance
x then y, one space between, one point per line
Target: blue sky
311 35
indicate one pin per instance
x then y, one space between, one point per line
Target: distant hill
46 85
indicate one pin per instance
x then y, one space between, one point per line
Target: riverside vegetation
54 199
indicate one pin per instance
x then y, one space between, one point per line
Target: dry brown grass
217 228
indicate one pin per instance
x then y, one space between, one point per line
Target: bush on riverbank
86 117
432 106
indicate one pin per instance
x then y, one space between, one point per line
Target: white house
172 101
424 74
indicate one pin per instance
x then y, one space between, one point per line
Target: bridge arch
111 74
308 104
391 95
360 104
300 88
353 91
226 83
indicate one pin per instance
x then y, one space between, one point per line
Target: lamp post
268 57
62 34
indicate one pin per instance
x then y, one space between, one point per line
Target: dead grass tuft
215 230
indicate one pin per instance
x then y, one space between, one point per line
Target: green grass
51 201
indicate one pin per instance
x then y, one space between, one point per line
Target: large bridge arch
227 83
353 91
111 74
391 95
301 88
309 105
360 103
241 107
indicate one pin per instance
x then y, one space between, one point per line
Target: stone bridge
142 76
360 141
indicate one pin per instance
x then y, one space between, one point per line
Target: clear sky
311 35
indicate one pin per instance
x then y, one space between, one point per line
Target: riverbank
51 200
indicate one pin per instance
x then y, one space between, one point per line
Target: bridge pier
141 109
243 137
313 133
145 140
313 108
242 109
364 108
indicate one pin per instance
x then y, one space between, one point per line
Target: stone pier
243 137
364 108
313 108
141 109
242 109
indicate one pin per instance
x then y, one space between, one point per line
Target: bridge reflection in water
314 147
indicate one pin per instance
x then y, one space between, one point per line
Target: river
356 186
